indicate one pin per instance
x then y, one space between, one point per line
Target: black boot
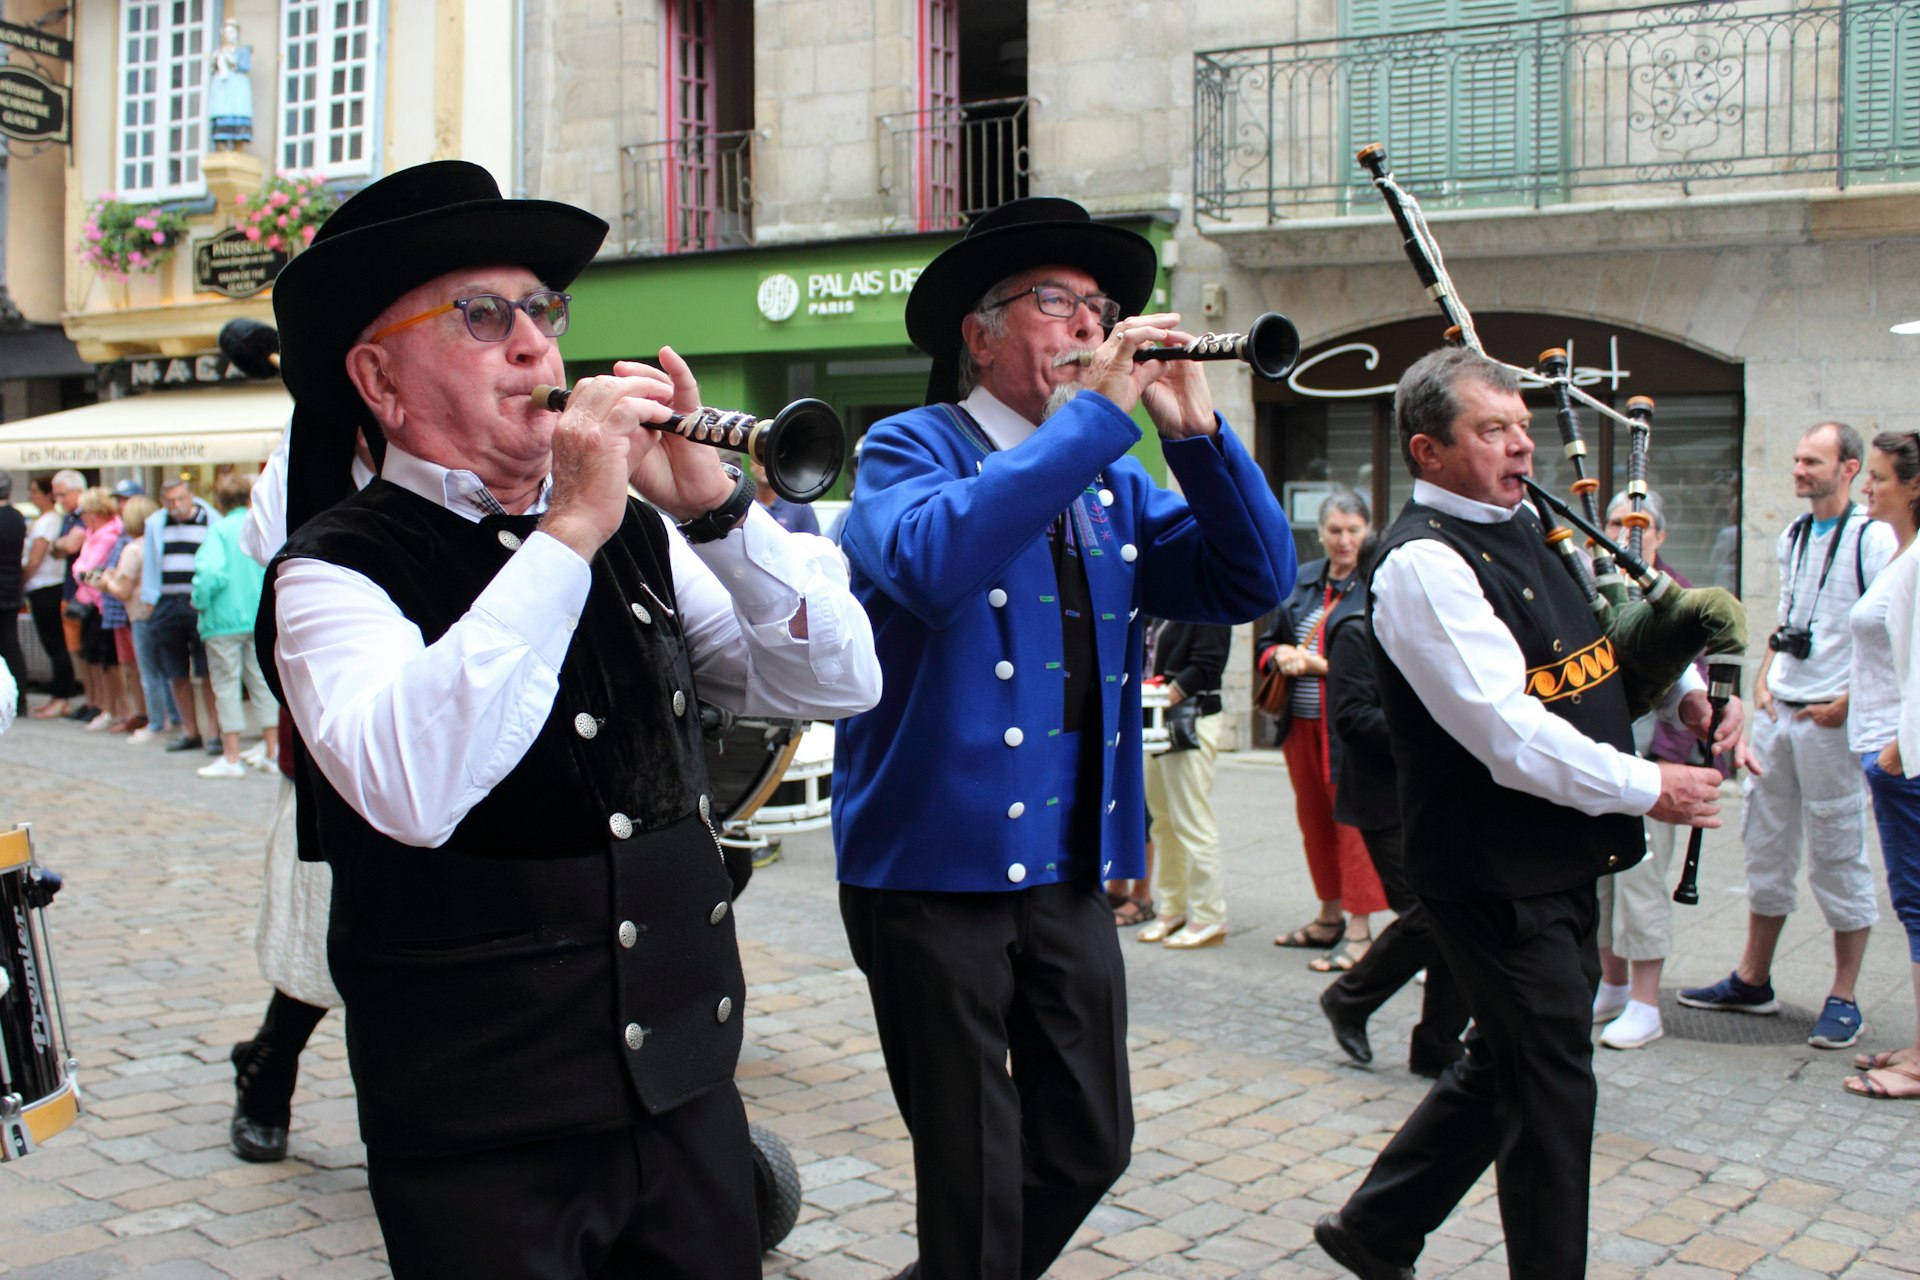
265 1069
263 1106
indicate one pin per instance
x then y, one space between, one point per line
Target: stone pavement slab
1711 1160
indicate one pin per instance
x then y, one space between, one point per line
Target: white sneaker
139 736
254 755
1639 1025
223 768
1610 1001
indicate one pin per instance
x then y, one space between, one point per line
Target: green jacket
226 580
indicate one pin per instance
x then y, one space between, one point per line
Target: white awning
162 428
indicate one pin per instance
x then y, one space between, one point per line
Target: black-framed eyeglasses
489 316
1062 303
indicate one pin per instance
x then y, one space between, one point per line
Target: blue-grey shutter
1882 91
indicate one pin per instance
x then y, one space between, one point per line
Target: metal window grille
691 160
163 109
1658 101
986 146
326 65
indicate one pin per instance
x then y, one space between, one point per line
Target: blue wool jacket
943 786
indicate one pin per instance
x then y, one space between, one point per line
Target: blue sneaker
1732 995
1839 1026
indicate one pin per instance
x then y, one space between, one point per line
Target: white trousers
1812 790
1187 876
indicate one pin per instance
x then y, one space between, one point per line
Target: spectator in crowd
794 517
1886 709
1190 658
45 571
174 535
226 596
115 621
123 584
1366 796
1295 643
1636 905
99 662
13 558
68 485
1808 787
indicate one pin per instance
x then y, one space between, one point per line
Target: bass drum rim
778 756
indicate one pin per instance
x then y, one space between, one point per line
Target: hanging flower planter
286 212
121 239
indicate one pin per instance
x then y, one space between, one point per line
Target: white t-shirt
53 570
1873 709
1865 548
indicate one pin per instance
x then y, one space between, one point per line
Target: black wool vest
1468 838
567 957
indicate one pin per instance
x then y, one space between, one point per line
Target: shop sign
32 108
1341 372
165 373
230 263
28 40
832 293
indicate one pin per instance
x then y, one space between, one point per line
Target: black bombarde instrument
1655 638
802 447
1270 346
1723 682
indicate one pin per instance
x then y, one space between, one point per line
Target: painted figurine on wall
230 93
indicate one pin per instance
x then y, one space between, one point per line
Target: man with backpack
1808 784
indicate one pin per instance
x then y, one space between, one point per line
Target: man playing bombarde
492 654
1008 551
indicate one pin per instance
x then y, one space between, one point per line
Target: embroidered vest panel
561 961
1466 836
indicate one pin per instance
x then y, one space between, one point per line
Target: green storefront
765 326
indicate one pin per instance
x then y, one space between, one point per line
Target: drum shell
35 1065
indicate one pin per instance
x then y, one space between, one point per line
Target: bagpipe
1658 629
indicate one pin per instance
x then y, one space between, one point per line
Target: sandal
1322 934
1129 912
1341 961
1874 1084
1885 1058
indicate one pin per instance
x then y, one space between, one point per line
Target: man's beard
1057 399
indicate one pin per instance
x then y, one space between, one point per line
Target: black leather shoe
185 743
1349 1034
259 1143
1344 1248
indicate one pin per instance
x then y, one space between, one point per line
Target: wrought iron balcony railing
1636 103
679 195
944 166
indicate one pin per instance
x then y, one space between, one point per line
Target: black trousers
1522 1099
672 1197
45 607
13 656
1007 1165
1403 949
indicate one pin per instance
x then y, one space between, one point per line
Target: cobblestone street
1712 1158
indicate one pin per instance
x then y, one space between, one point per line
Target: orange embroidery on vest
1573 675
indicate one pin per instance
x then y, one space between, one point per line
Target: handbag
1182 721
1270 695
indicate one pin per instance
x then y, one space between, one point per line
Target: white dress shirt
1434 621
414 735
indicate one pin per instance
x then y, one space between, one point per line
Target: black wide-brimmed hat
395 235
1037 231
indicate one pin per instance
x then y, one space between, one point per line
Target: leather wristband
726 517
